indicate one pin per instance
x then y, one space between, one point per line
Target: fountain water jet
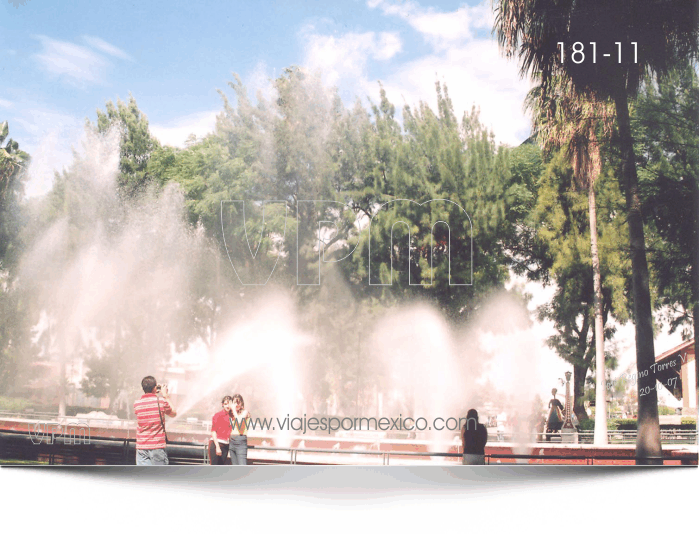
267 343
112 276
417 351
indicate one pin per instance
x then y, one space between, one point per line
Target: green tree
564 118
438 158
563 255
666 32
666 125
136 147
14 327
16 350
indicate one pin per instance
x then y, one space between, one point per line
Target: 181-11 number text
578 53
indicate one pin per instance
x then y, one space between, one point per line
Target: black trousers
215 459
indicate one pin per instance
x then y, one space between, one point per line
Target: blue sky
59 62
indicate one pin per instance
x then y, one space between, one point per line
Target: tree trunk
579 374
695 284
648 447
600 384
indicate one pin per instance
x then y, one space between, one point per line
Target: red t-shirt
222 426
149 432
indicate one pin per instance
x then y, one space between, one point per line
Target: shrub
14 404
689 420
589 425
625 424
612 424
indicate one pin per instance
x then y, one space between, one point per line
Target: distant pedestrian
500 426
240 420
474 436
221 433
150 410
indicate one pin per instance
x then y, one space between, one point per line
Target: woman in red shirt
220 433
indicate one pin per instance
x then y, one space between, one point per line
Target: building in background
676 370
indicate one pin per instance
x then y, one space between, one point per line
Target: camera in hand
160 387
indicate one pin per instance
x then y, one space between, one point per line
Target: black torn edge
64 505
636 502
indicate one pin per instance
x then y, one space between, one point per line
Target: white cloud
79 65
441 29
474 73
345 58
177 131
469 64
389 44
5 103
101 44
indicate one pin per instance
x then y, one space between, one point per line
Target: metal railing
177 426
490 459
668 437
16 445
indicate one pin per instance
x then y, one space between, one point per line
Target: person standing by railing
474 437
151 441
240 420
220 433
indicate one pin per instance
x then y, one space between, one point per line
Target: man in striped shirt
150 417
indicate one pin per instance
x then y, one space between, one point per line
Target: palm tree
665 32
565 119
13 162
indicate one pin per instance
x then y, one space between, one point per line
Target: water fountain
114 279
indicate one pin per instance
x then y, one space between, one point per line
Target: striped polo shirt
149 432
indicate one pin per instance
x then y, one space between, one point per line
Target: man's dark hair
148 383
226 399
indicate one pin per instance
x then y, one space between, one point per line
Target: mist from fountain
417 352
434 370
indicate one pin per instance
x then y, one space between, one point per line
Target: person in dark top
474 436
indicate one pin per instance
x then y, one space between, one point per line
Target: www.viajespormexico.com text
334 424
